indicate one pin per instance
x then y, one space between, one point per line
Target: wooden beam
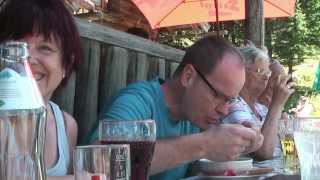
255 25
110 36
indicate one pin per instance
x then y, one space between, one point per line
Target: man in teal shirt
205 84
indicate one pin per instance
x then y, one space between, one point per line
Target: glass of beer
139 134
102 162
287 127
308 146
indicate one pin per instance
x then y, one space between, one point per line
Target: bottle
22 117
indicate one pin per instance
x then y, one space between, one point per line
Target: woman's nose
33 59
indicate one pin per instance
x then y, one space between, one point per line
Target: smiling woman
55 52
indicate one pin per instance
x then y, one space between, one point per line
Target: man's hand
229 141
258 141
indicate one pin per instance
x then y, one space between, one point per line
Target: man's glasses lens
226 99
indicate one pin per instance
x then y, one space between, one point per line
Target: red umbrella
164 13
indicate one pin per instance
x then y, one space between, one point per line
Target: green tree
296 38
311 9
288 39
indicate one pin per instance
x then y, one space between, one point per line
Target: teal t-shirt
145 100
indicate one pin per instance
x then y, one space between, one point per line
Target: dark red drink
141 153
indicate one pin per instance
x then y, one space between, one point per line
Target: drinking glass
308 146
287 126
139 134
102 162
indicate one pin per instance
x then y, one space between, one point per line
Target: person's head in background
53 40
138 32
277 70
211 75
257 64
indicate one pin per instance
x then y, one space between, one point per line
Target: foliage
183 38
288 39
299 91
311 9
180 39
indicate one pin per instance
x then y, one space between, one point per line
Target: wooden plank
113 74
153 69
162 68
64 96
87 90
132 68
110 36
142 67
106 54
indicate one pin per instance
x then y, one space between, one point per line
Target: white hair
251 54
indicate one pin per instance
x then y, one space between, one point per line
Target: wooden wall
121 15
113 59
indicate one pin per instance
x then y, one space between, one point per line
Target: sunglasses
262 72
224 97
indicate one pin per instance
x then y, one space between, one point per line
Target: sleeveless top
62 164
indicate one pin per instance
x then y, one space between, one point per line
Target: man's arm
223 142
172 152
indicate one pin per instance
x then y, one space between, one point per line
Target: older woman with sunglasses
251 113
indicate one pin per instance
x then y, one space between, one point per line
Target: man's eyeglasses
262 72
225 98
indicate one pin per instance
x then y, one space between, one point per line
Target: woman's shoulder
69 121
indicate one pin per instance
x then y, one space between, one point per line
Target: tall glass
139 134
22 116
307 141
102 162
287 126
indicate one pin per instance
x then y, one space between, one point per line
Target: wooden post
87 82
113 75
255 27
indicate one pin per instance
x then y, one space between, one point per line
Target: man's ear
188 75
